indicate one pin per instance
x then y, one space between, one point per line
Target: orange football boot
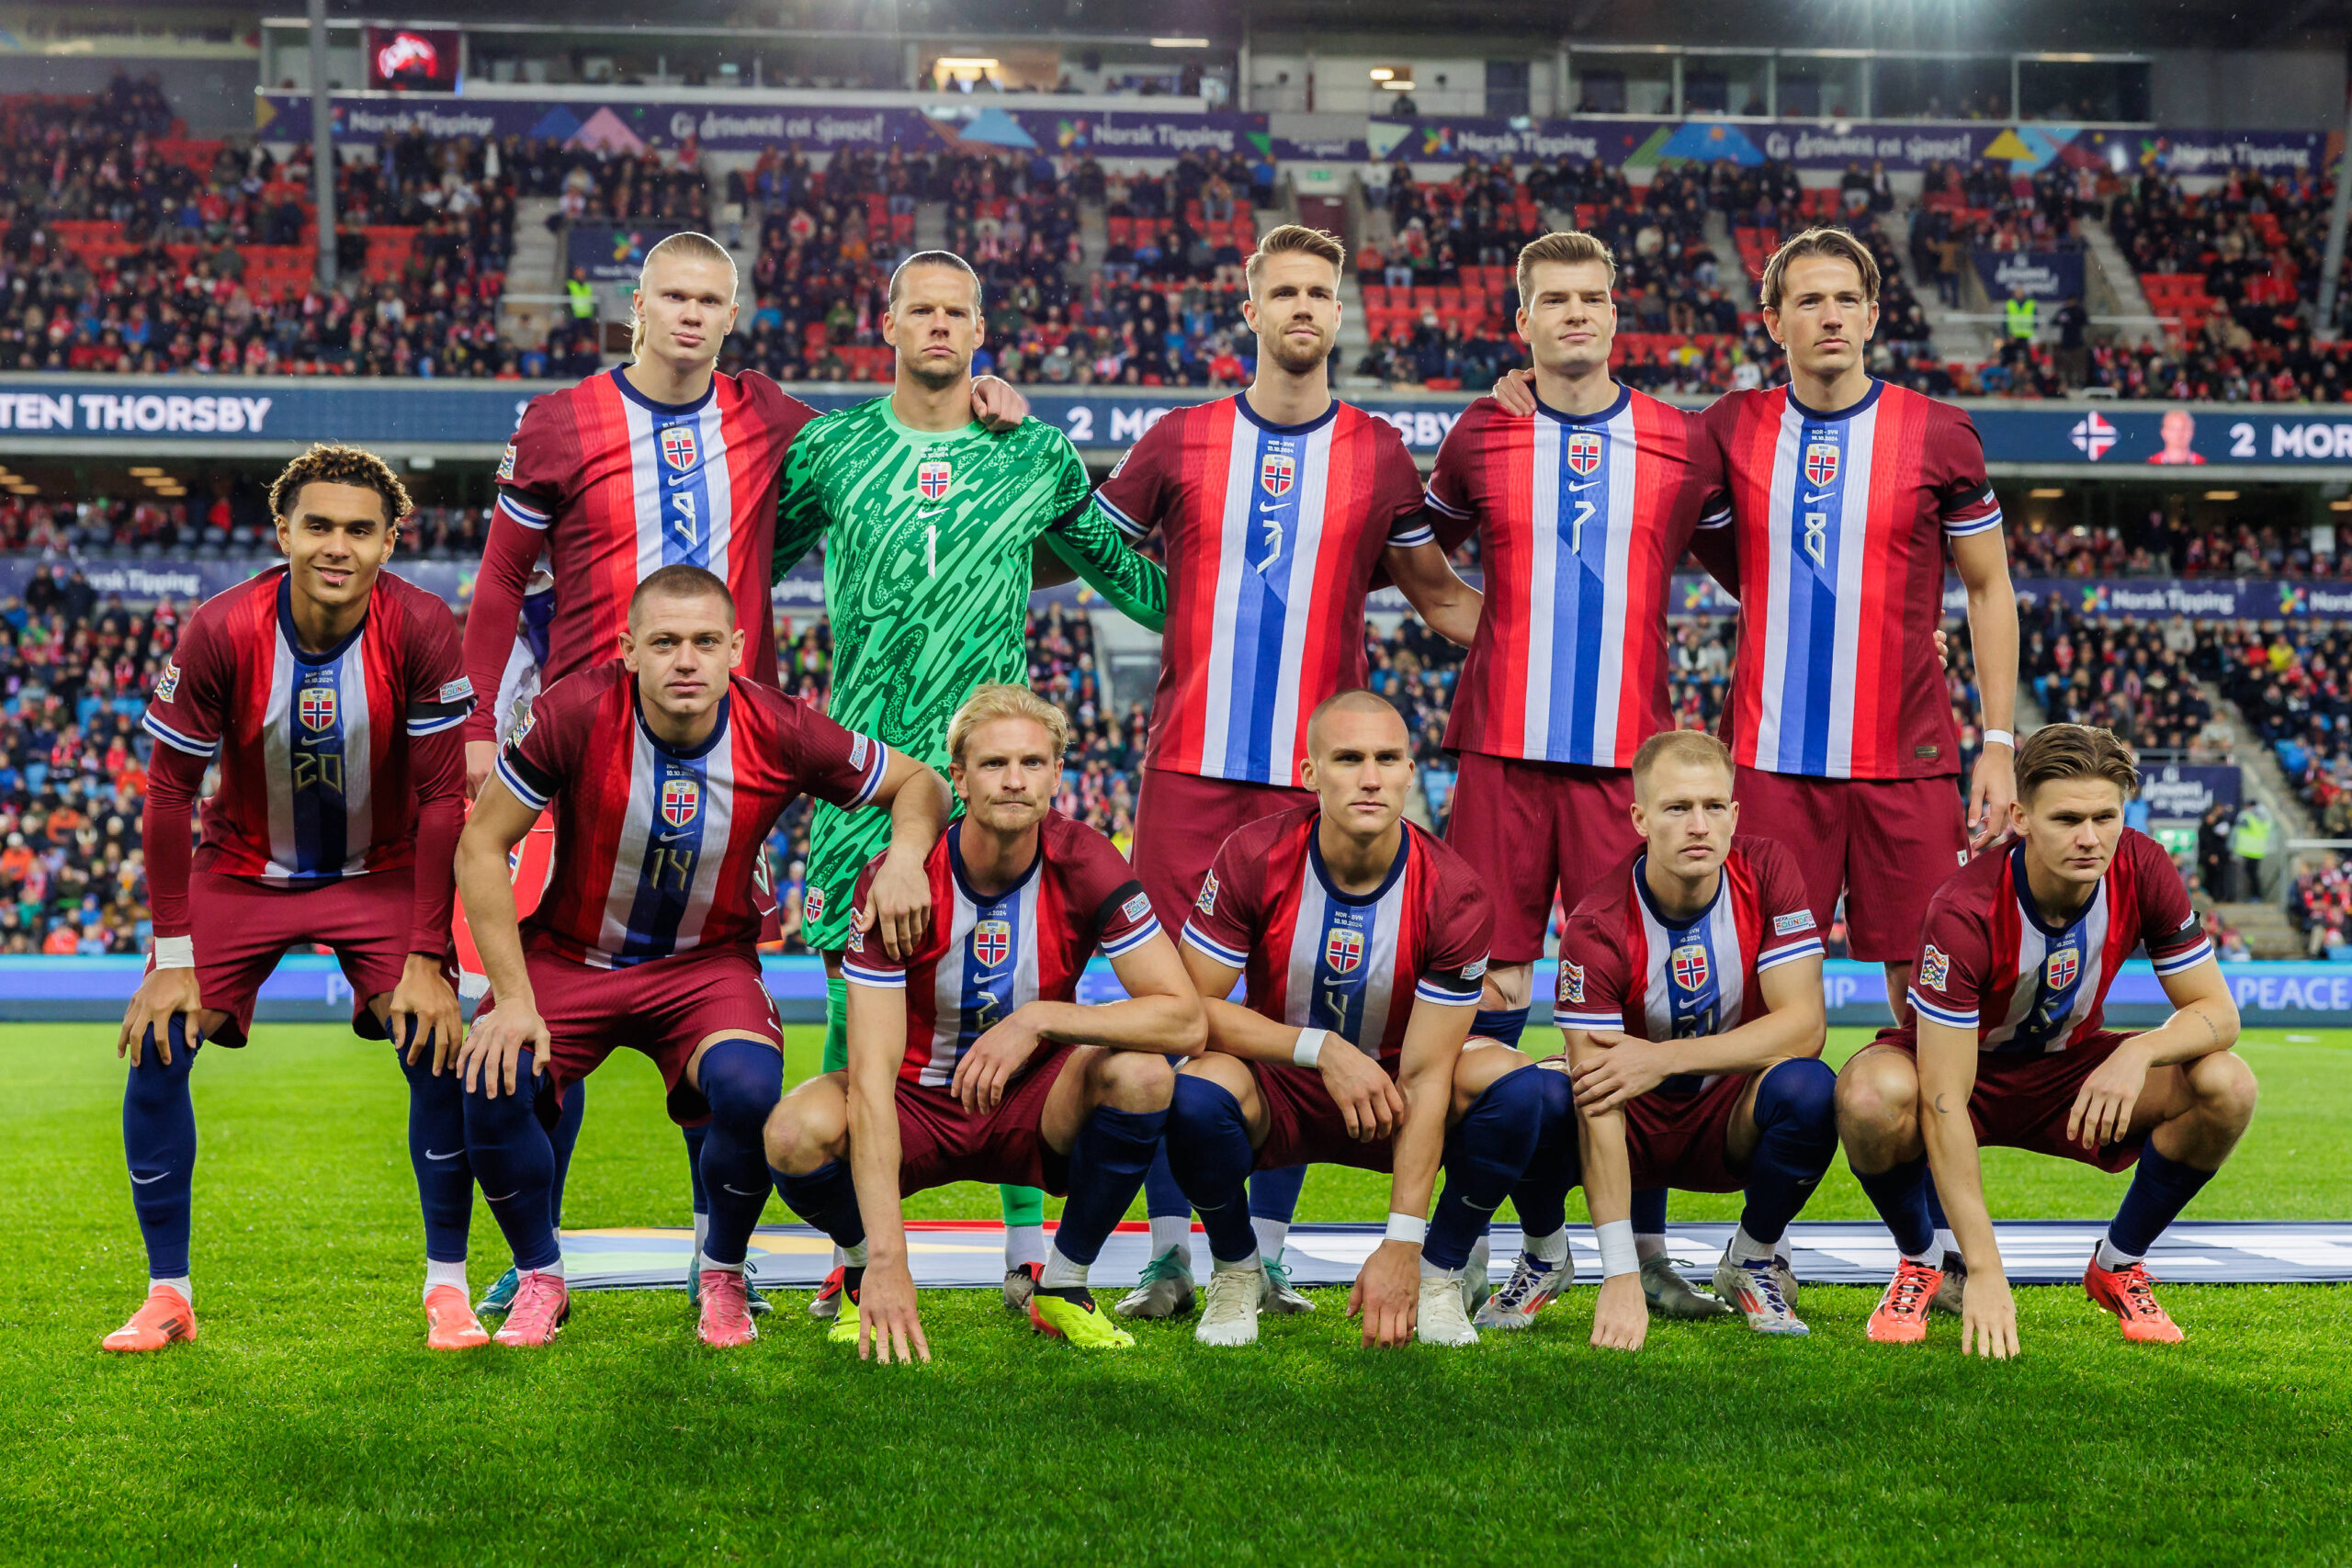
162 1317
2124 1292
451 1321
1901 1317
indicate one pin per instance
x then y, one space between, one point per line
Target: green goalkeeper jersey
928 545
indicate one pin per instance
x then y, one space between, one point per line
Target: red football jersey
656 850
986 957
1272 535
1840 522
614 486
1988 961
318 779
1354 963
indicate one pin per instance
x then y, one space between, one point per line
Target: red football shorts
1887 844
1677 1140
2022 1102
1304 1125
242 928
664 1006
940 1142
1530 828
1182 820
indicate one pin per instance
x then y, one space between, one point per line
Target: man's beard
937 380
1297 361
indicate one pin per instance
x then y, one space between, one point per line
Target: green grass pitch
310 1424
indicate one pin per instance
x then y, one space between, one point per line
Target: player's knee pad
1799 1097
742 1080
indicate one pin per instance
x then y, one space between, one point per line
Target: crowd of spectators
2138 678
2167 544
232 515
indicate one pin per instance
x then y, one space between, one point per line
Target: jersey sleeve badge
1935 967
169 686
1790 924
1206 902
506 465
1137 907
455 691
1571 982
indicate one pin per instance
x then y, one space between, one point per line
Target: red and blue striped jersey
1839 521
1990 963
1271 535
656 848
1354 963
317 774
989 955
1625 964
1581 521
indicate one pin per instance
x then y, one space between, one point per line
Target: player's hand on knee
992 1061
480 756
1387 1293
997 403
1620 1319
162 995
1515 390
887 1325
898 906
493 1051
1626 1070
2102 1109
1369 1101
422 1014
1988 1317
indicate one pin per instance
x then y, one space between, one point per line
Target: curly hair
331 463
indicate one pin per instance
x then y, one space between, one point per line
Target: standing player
1689 995
933 525
2006 1048
662 461
331 693
971 1060
1276 508
1362 940
666 771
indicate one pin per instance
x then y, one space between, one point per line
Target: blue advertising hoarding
2046 278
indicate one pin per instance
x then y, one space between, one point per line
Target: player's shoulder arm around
541 467
868 962
1586 989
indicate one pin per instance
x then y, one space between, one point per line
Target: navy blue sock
1106 1166
1505 1024
2161 1187
1900 1195
1796 1124
514 1162
560 1138
1542 1196
437 1151
1486 1155
1649 1211
1162 1199
742 1080
1209 1148
159 1144
1273 1194
827 1199
695 1136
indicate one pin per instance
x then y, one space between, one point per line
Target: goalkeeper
933 527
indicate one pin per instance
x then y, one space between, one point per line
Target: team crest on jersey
812 904
1343 950
169 686
680 798
1821 463
932 480
316 707
678 446
1935 967
506 465
1584 450
1277 471
1571 982
991 941
1206 902
2062 966
1689 965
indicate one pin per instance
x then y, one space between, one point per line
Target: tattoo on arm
1942 1110
2213 1034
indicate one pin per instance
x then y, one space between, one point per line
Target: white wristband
176 953
1410 1229
1309 1049
1617 1254
2000 738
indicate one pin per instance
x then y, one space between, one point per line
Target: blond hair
683 246
332 463
990 703
1569 245
2059 752
1835 243
1298 239
1679 746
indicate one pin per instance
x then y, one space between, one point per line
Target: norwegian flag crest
680 798
678 446
1821 462
991 941
1584 450
1343 950
1277 471
931 480
2062 968
1690 967
316 706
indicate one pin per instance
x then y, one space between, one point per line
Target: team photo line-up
593 768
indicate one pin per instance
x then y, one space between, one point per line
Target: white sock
1060 1273
1431 1271
1947 1243
1552 1250
1024 1243
1746 1248
1648 1246
702 1234
2112 1260
555 1268
713 1266
1173 1233
187 1290
439 1274
1253 1264
1931 1259
1781 1249
840 1257
852 1257
1272 1234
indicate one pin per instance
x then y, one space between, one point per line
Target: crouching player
331 691
1690 994
2016 955
1364 941
666 769
971 1058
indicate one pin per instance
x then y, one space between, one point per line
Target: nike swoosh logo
143 1181
1586 485
453 1153
488 1198
1816 499
1264 507
669 838
741 1194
